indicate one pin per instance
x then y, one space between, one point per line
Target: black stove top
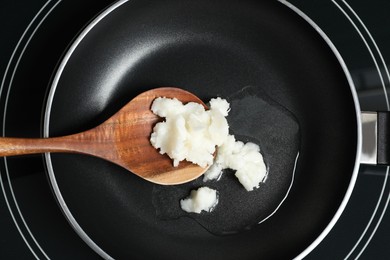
35 34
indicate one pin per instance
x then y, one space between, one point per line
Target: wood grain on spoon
122 139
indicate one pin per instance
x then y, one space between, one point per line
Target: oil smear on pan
255 118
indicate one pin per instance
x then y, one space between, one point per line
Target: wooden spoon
122 139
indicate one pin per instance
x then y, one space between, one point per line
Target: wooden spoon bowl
122 139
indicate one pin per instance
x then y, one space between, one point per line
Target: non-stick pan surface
211 48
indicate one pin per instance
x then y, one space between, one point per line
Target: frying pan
211 48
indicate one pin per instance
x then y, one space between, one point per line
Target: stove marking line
367 45
376 48
378 223
13 217
4 119
387 103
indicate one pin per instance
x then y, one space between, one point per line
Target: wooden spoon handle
10 146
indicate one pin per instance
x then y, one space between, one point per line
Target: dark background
363 229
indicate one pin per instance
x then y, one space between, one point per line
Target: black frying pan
211 48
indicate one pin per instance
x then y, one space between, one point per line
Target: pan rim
352 182
66 211
47 112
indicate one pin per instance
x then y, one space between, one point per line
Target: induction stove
32 225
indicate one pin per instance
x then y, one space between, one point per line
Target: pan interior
210 48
